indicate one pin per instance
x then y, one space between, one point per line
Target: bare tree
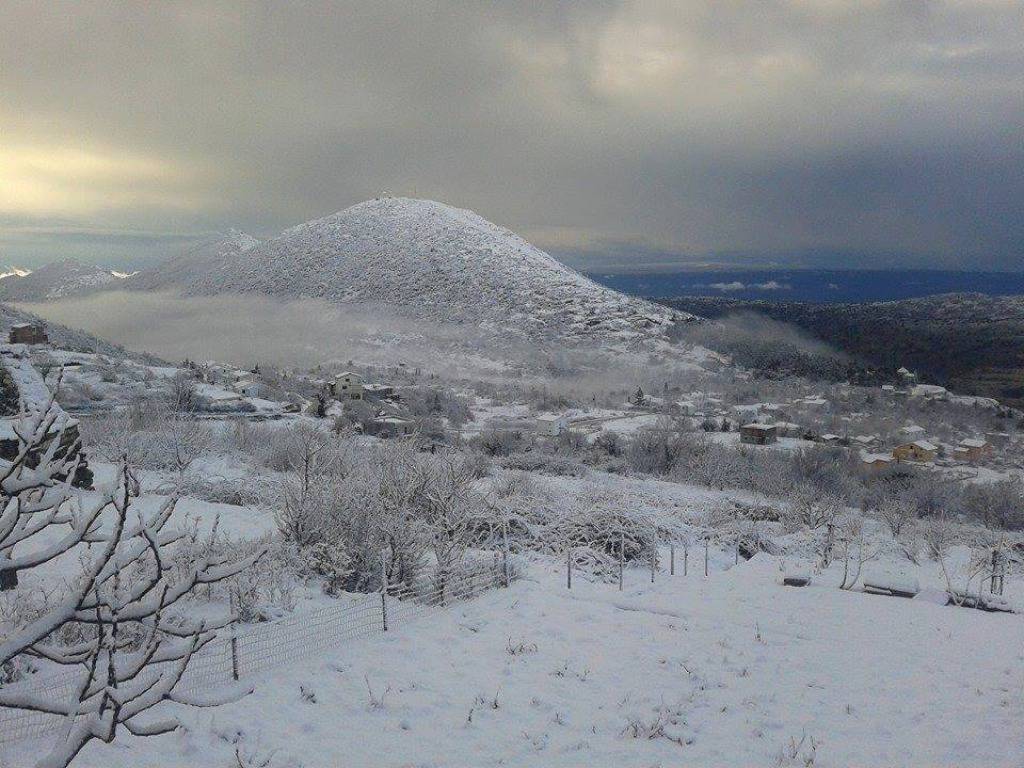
940 535
895 515
184 438
133 643
182 394
35 491
450 505
856 550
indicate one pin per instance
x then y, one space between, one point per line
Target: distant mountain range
60 280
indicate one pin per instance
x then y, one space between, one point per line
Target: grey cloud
667 131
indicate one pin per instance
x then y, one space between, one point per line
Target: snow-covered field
727 671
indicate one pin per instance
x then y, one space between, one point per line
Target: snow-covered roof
878 458
922 390
758 427
392 420
971 442
549 418
924 445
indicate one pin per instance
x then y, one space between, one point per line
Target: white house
928 390
249 387
551 426
347 385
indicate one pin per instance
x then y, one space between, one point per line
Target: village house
249 387
379 392
972 450
758 434
787 429
551 426
347 385
919 450
877 462
929 391
389 425
746 413
914 431
906 376
28 333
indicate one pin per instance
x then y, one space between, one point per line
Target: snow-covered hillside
435 262
59 280
200 264
65 338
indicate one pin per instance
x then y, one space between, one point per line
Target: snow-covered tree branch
133 640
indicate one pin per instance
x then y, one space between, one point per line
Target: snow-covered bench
887 584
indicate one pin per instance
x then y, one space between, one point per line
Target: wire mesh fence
239 653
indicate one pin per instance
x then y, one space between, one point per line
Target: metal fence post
622 557
672 559
234 641
686 559
383 591
568 569
706 544
504 553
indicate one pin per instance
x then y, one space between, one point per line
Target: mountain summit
432 261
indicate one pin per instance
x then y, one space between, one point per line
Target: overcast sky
654 133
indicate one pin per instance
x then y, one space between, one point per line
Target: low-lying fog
250 328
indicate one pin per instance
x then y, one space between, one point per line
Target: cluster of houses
919 451
390 419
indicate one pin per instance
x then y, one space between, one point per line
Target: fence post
234 641
706 544
622 556
654 562
568 569
671 559
383 591
504 552
686 559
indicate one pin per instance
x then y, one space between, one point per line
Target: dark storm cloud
647 133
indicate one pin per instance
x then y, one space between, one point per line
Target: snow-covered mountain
431 261
199 264
12 271
59 280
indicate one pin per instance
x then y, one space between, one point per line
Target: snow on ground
723 671
628 425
